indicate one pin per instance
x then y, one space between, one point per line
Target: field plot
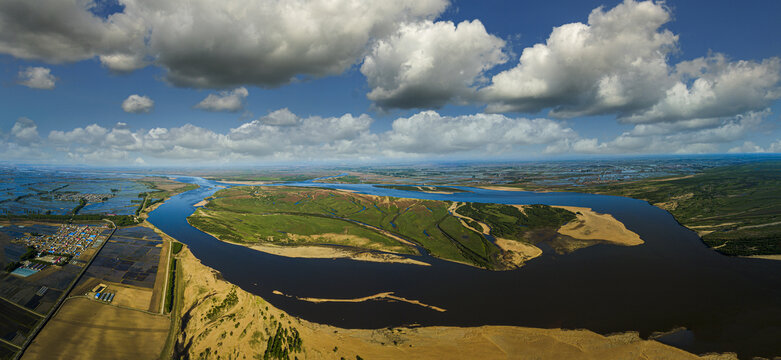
86 329
6 352
15 322
128 261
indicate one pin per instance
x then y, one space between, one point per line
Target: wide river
727 304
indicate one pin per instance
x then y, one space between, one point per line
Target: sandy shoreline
202 203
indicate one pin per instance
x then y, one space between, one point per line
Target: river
728 304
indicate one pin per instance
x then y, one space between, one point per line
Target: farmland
86 329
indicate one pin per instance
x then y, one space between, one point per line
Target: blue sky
371 82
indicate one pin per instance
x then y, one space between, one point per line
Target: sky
198 82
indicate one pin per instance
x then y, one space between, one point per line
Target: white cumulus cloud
224 101
25 131
137 104
428 64
37 77
615 63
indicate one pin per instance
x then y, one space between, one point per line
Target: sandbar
766 257
379 296
202 203
591 225
240 182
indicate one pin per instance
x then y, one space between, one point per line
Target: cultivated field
87 329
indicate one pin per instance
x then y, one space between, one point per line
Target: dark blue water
671 281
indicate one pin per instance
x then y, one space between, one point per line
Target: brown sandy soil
324 252
202 202
517 253
378 296
86 329
591 225
131 296
511 188
242 329
87 254
501 188
431 190
766 257
672 203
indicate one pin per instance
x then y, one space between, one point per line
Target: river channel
727 304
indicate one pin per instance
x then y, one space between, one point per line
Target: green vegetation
119 220
511 223
82 203
735 209
11 266
283 343
177 247
29 254
171 291
446 189
307 216
217 310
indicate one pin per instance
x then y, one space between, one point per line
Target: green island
291 217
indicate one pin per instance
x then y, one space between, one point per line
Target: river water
728 304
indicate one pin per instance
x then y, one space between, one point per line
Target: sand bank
239 182
501 188
202 203
591 225
766 257
379 296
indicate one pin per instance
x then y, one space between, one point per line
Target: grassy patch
177 247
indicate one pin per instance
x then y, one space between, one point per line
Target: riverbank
223 320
